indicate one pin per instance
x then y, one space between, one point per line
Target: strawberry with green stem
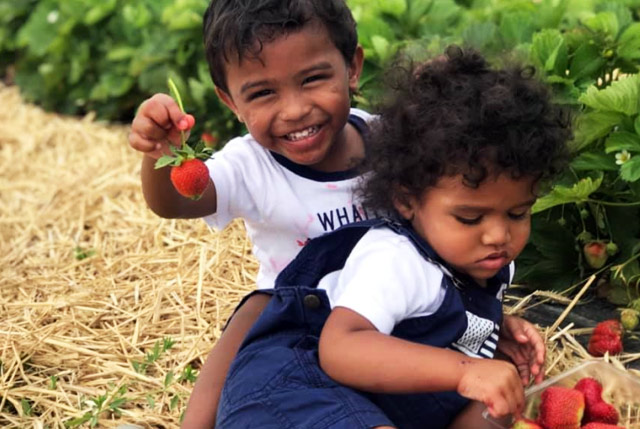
189 174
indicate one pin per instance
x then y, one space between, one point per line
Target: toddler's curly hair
456 115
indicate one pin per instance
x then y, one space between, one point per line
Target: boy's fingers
186 122
148 129
165 112
141 144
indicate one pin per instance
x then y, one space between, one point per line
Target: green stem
176 94
608 203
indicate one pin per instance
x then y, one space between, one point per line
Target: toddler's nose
496 234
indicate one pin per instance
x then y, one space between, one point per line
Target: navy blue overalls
276 381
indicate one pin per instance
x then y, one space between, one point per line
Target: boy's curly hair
239 28
456 115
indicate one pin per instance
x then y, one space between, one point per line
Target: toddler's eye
519 216
469 221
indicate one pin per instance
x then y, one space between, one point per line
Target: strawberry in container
593 395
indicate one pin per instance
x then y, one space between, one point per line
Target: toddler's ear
404 204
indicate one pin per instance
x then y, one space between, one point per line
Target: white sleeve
386 280
229 170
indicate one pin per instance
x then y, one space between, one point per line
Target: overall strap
324 254
424 248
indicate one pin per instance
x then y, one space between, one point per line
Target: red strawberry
596 425
596 409
595 252
606 337
209 139
190 178
561 408
523 423
601 412
601 344
608 327
591 389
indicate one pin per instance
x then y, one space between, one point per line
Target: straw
91 280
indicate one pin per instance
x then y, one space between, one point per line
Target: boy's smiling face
294 98
477 231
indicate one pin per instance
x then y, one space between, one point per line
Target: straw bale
72 326
91 281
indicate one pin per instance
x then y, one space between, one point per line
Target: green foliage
159 348
118 398
106 56
76 56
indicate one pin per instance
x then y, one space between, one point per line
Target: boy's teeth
299 135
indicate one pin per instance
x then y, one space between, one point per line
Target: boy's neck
345 153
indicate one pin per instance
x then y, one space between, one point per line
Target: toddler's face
294 98
477 231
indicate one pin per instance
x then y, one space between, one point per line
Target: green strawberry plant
594 207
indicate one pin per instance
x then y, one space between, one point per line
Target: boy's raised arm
354 353
157 124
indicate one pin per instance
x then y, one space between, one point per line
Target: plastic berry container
619 388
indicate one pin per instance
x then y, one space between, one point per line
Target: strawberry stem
175 93
173 89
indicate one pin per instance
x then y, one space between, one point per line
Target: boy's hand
522 343
158 123
495 383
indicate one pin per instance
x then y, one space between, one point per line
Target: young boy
394 323
286 68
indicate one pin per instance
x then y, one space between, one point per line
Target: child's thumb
186 122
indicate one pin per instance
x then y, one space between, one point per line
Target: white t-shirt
386 280
282 204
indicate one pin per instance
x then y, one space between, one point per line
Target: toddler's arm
354 353
157 125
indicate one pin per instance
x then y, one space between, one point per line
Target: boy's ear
355 69
228 101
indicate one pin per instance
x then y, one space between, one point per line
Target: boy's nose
294 107
496 234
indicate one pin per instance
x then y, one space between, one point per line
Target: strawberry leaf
187 151
164 161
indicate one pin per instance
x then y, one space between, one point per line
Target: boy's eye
469 221
313 78
258 94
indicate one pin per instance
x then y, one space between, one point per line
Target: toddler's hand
157 124
495 383
522 343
